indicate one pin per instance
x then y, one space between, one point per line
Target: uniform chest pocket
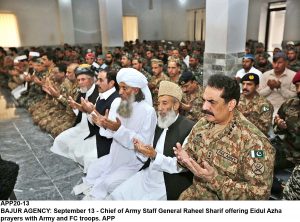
225 163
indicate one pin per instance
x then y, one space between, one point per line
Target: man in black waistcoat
75 143
156 181
108 89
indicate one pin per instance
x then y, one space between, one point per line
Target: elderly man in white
134 118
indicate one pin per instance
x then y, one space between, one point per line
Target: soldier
137 64
292 189
196 68
192 96
287 123
174 71
293 62
257 109
158 76
229 157
126 60
262 63
110 62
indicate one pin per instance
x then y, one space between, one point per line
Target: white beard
167 120
83 89
125 107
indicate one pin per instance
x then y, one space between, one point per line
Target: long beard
125 108
167 120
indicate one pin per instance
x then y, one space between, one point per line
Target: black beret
186 77
251 77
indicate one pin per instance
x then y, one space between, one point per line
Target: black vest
103 143
177 132
92 98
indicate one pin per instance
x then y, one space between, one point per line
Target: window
275 24
196 24
130 28
9 30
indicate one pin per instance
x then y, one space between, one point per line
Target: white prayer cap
182 44
34 54
134 78
20 58
290 43
163 41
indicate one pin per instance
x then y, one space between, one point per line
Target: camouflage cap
186 77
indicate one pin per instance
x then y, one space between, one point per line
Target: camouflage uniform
263 68
295 65
196 102
155 82
146 74
292 188
258 111
198 73
240 154
290 112
115 66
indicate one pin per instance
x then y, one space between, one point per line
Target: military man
229 157
287 123
174 70
196 68
191 104
262 63
137 64
293 62
257 109
158 76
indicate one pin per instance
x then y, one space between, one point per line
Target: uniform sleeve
254 178
263 118
292 188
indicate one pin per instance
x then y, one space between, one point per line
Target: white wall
174 19
37 20
86 21
291 28
149 20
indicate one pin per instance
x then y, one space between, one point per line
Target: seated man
257 109
248 62
287 123
135 118
229 157
154 182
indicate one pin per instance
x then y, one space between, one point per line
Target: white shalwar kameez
107 172
72 144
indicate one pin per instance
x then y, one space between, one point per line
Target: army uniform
258 111
146 74
295 65
115 66
290 113
196 102
292 189
240 154
263 67
198 73
155 82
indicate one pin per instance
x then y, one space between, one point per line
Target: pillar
226 27
111 23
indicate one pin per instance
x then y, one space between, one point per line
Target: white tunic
107 172
71 144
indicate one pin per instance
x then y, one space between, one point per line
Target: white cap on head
20 58
134 78
290 43
182 44
34 54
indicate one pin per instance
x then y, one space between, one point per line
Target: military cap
296 77
195 56
251 77
290 43
84 69
167 88
186 77
260 45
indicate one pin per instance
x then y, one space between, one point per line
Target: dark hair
50 56
111 75
62 67
139 96
230 87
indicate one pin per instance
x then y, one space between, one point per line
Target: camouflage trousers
292 188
